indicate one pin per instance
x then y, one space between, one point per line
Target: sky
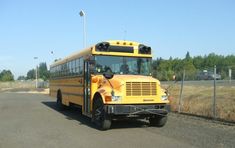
34 28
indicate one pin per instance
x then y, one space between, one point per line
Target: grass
197 99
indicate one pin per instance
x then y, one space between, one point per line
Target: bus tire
158 121
99 117
60 106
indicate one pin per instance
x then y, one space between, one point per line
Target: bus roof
91 50
73 56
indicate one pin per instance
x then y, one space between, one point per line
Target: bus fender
99 94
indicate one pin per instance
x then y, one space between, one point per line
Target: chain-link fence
207 92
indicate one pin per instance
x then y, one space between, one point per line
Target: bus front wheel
158 121
100 118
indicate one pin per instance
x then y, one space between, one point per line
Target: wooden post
181 92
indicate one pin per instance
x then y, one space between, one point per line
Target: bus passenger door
87 77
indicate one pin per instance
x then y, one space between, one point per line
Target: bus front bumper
153 109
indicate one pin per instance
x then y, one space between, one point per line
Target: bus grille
141 88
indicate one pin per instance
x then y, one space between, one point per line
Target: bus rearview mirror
108 75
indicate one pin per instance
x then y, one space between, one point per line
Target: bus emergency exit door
87 77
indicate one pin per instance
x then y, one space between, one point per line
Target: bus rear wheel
158 121
100 118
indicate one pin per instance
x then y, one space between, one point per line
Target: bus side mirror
108 75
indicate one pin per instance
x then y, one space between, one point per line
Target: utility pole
82 14
230 75
181 92
214 97
36 72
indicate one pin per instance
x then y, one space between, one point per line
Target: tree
31 74
198 62
190 70
43 71
163 69
21 78
6 75
187 56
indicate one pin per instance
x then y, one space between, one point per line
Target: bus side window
70 68
67 69
73 67
77 66
59 67
63 69
81 65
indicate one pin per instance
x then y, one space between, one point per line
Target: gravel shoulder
31 120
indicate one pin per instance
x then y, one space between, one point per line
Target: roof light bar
144 49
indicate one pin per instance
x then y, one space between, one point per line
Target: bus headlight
116 98
164 97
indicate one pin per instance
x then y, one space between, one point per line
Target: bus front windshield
123 65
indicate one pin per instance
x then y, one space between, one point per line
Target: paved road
31 120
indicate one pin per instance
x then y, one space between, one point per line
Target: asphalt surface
32 120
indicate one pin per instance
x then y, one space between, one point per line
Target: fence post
181 92
214 96
230 75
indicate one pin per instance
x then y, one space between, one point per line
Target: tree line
6 75
165 69
42 72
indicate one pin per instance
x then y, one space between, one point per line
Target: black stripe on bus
71 94
67 85
67 77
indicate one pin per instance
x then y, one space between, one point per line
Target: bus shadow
129 123
74 113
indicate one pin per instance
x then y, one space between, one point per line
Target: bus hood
133 81
133 78
129 88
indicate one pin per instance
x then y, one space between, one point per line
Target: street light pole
53 56
82 14
36 72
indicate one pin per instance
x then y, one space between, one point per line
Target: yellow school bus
109 81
